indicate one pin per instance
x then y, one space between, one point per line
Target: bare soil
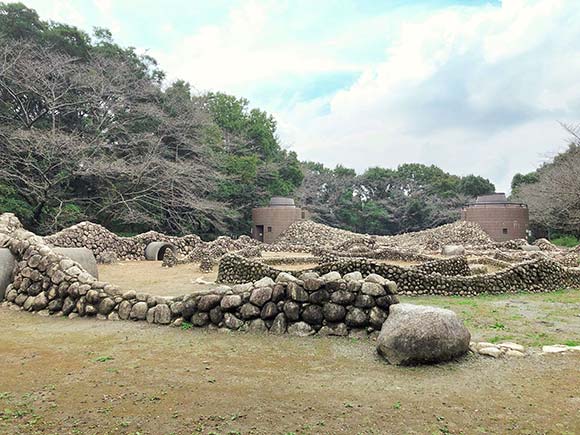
151 277
84 376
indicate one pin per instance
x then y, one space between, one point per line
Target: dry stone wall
542 274
104 243
48 283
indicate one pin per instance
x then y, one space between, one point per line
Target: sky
470 86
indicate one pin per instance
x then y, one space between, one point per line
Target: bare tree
554 200
100 134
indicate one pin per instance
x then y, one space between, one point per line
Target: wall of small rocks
104 243
376 254
234 269
454 266
542 274
48 283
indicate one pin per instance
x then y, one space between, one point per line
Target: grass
530 319
566 241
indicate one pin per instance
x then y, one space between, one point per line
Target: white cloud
477 89
473 90
247 49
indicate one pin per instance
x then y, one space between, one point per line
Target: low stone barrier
103 243
376 254
46 282
542 274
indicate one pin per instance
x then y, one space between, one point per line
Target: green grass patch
565 241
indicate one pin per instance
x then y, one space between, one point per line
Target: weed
103 359
497 325
397 405
572 343
186 325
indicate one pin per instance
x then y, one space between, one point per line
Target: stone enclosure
349 292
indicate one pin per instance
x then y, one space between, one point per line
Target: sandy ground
85 376
151 277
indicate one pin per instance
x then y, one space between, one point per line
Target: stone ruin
349 293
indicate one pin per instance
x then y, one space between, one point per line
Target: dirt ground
151 277
83 376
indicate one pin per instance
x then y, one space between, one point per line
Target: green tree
474 185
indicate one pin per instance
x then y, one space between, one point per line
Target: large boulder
414 334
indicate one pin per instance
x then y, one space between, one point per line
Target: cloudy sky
471 86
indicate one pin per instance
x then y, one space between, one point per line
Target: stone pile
546 245
206 264
169 259
313 234
105 244
514 244
101 241
456 266
330 305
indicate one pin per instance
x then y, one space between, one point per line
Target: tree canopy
92 130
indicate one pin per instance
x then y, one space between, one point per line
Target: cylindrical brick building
501 219
269 222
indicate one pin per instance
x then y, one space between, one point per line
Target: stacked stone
489 261
169 259
206 264
285 247
107 258
49 282
377 254
546 245
100 240
455 266
234 269
539 275
9 223
289 260
311 234
514 244
332 304
328 305
250 252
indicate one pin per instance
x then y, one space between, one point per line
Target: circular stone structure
7 262
501 219
82 256
156 250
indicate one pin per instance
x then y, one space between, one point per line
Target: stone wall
542 274
51 284
103 242
376 254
